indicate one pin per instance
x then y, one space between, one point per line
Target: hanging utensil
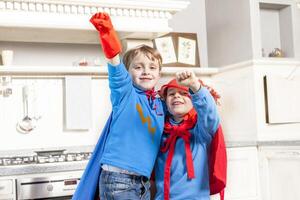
26 124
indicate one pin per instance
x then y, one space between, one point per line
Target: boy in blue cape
124 156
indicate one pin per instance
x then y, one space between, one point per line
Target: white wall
193 20
228 32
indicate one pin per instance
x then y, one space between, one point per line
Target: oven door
47 187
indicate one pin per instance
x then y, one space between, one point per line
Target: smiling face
178 102
145 72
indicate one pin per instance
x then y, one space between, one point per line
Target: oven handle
70 184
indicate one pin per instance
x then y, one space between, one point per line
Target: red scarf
175 132
150 94
217 158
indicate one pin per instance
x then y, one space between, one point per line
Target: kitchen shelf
95 71
262 26
276 28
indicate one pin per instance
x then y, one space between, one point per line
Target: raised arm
108 37
119 79
203 102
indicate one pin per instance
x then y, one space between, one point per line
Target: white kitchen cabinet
242 174
244 113
259 94
280 172
264 173
7 189
244 110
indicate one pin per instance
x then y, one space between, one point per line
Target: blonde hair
148 51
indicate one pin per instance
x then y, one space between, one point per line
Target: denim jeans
119 186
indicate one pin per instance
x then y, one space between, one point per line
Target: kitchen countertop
279 143
37 168
28 152
262 143
240 144
12 170
42 168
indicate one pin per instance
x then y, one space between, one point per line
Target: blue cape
88 185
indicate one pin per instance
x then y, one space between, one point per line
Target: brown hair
150 52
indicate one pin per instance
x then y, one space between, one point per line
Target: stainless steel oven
48 185
52 186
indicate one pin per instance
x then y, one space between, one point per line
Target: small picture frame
178 49
186 51
166 48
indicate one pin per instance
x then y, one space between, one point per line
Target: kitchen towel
77 102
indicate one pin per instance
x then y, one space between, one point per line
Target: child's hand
102 22
109 40
188 79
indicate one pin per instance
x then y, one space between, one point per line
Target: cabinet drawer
6 187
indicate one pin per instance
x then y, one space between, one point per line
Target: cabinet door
242 174
280 173
7 189
282 100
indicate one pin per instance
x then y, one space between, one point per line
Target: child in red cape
192 161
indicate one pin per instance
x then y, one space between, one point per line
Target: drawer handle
2 187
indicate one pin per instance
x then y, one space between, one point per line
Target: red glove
108 37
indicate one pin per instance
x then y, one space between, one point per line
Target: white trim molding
99 71
262 62
50 19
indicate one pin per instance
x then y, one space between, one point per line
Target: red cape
217 164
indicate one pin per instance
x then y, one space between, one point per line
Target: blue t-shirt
136 128
180 186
